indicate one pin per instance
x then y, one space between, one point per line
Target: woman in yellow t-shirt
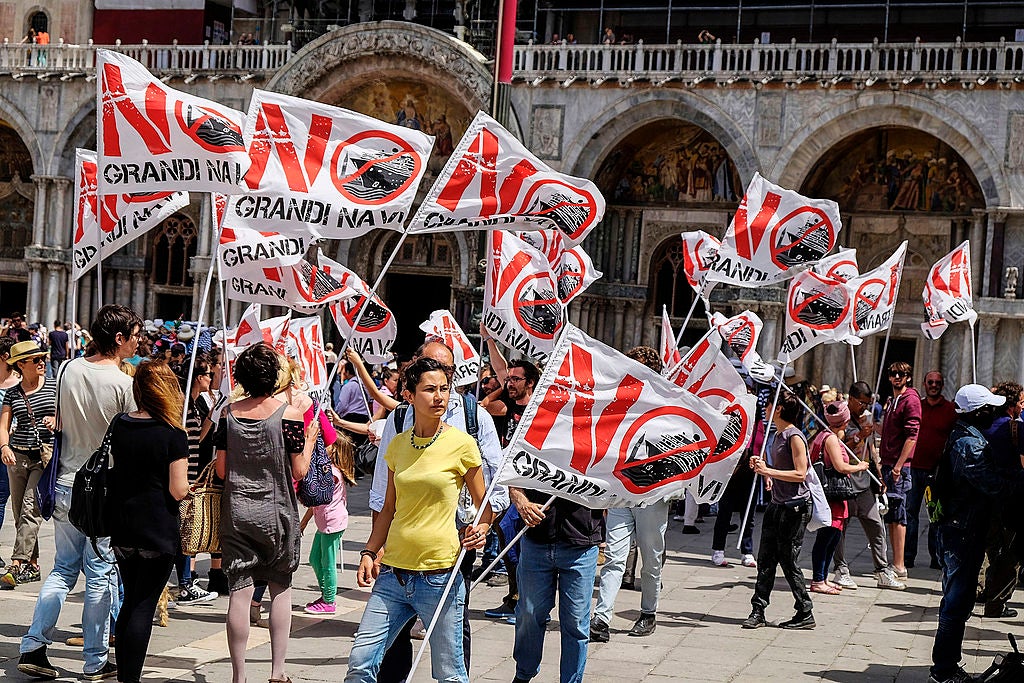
427 467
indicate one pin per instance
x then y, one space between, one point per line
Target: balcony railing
791 62
163 60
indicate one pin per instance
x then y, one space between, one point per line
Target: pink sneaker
321 608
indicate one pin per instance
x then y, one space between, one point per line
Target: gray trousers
24 474
865 508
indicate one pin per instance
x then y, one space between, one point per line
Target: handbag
836 486
88 511
317 487
45 449
200 514
821 513
46 489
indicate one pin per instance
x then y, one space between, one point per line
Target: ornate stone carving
546 130
1010 291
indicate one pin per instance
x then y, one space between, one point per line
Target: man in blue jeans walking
967 482
93 390
558 553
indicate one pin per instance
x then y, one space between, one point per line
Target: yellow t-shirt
423 536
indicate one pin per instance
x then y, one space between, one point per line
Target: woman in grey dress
261 448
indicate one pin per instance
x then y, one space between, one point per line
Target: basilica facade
921 142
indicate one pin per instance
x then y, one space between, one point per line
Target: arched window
174 244
40 22
668 279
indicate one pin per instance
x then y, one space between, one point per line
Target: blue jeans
922 478
649 524
962 552
391 606
543 568
74 554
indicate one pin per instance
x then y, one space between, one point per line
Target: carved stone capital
52 255
988 324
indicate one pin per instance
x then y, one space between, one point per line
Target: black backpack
88 512
1006 668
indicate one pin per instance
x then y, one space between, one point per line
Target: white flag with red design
251 330
325 171
522 309
774 232
670 355
152 138
818 311
699 251
102 225
874 295
305 343
947 292
707 374
605 431
377 329
841 265
491 181
302 287
572 267
742 332
441 326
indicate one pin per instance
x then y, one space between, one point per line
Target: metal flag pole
689 314
195 340
764 448
974 357
508 546
853 362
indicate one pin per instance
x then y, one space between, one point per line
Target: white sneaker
749 561
887 579
718 558
844 580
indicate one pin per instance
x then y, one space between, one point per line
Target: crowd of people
438 453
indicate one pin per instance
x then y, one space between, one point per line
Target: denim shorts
897 491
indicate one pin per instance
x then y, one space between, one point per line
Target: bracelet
366 552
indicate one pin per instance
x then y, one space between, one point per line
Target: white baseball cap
970 397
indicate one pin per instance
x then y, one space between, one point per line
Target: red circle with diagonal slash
862 294
814 220
744 325
835 271
518 304
586 201
208 113
795 309
401 148
706 440
350 309
565 274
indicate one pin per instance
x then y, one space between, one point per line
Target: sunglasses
899 374
934 383
38 360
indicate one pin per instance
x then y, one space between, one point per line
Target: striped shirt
44 404
197 412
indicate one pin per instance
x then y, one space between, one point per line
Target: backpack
939 487
1008 667
88 511
317 487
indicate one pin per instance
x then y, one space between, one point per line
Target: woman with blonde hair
149 451
261 448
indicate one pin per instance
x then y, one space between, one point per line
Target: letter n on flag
947 292
441 326
605 431
669 351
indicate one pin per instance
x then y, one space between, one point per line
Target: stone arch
12 116
839 121
32 19
354 55
80 131
603 133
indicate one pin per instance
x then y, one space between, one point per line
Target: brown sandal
280 680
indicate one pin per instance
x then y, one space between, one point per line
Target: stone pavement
863 635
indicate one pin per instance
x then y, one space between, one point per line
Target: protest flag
572 267
441 326
377 329
742 332
841 265
699 251
818 311
874 295
947 292
670 355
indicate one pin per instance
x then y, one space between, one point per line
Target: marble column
34 305
987 326
51 300
139 293
58 227
619 329
1020 352
39 211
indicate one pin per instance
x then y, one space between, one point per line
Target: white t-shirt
91 394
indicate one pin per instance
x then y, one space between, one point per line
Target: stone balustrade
793 62
163 60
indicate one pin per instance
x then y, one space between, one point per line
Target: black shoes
690 529
36 665
598 631
755 620
1006 613
800 620
217 582
956 676
109 670
644 626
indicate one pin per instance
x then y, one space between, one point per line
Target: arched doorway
40 22
418 283
172 246
17 212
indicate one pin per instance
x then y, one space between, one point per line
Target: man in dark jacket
966 482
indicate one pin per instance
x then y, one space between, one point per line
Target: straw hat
23 351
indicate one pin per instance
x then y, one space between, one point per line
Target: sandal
280 680
824 588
